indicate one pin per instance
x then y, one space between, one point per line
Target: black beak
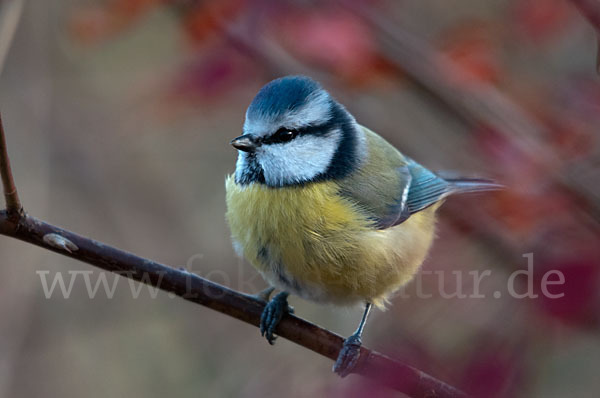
244 143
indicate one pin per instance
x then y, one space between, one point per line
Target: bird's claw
272 314
348 356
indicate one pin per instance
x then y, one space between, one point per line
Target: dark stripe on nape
345 159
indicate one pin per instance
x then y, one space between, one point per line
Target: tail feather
467 185
427 187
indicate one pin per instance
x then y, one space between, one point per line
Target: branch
591 11
16 224
201 291
11 197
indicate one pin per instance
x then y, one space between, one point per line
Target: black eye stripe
282 135
317 130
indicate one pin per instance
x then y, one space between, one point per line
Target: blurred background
118 115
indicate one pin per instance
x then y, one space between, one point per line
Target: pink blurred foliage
472 45
216 70
334 40
578 100
581 95
492 369
92 24
580 305
520 207
211 77
202 20
569 131
541 21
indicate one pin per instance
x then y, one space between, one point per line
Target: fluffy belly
312 242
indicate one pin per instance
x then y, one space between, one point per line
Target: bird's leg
265 294
272 314
348 356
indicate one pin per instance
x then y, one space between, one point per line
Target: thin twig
11 197
374 365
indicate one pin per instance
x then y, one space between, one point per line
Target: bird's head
295 133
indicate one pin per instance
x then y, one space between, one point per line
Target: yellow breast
312 242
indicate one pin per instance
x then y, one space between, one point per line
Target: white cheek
299 160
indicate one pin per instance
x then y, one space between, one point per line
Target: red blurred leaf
207 18
541 20
91 24
490 372
335 40
209 77
580 302
472 46
571 139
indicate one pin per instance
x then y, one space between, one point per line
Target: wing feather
389 187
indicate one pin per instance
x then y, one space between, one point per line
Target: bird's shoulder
379 185
381 151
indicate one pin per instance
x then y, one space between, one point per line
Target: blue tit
325 208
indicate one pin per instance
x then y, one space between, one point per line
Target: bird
326 209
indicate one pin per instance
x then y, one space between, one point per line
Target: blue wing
427 187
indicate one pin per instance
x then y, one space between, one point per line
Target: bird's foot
272 314
348 356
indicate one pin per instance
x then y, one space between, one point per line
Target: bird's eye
284 135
